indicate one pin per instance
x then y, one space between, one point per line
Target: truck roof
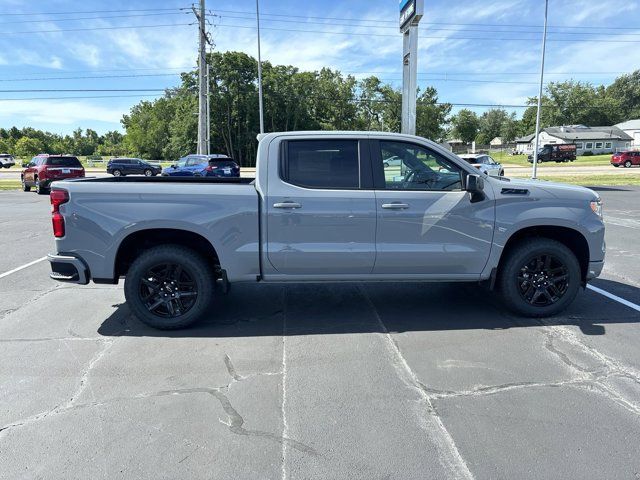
333 133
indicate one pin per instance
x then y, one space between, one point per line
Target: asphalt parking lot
317 381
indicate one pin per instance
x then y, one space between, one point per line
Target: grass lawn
521 160
9 184
594 180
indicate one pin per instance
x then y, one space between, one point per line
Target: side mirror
475 186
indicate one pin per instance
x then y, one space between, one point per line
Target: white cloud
86 53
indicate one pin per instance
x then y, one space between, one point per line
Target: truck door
321 212
427 225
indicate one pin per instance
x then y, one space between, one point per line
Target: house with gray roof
632 128
598 140
524 145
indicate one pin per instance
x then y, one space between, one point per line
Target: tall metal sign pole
411 12
534 171
259 70
203 125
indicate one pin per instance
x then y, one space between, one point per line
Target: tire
148 277
40 190
628 164
25 187
148 173
117 173
518 264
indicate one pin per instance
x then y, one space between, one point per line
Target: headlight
596 206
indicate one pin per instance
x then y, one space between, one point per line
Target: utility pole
260 106
208 110
411 11
203 126
534 172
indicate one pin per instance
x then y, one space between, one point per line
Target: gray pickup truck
328 207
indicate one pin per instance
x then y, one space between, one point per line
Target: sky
472 51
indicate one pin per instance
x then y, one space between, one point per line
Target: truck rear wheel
169 287
539 277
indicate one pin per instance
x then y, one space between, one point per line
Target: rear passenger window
321 163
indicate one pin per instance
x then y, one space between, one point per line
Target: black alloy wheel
543 280
168 290
169 286
539 277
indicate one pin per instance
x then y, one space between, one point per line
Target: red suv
625 158
44 169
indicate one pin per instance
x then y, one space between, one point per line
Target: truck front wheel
539 277
169 287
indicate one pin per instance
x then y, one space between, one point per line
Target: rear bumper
68 269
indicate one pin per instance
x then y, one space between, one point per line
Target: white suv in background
485 163
6 160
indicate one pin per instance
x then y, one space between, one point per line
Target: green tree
510 128
28 147
466 125
431 116
624 94
148 128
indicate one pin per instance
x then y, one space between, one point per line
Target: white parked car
485 163
6 160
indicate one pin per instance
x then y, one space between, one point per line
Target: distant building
597 140
496 142
631 128
524 145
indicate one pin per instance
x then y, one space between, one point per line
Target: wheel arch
573 239
137 242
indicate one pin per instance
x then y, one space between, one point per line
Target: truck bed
159 179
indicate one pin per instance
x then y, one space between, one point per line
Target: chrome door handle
395 206
287 205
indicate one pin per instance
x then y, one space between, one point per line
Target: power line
53 70
427 36
395 22
82 12
62 30
89 77
369 25
92 18
48 90
73 98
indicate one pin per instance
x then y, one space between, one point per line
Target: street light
544 46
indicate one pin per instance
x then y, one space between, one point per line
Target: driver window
412 167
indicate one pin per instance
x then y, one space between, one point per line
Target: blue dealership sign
403 3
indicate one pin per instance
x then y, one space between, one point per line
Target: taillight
209 168
58 197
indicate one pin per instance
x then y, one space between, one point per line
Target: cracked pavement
317 381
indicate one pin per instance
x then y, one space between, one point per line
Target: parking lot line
615 297
6 274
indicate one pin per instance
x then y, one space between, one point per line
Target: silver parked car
485 163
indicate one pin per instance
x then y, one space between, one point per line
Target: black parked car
119 167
